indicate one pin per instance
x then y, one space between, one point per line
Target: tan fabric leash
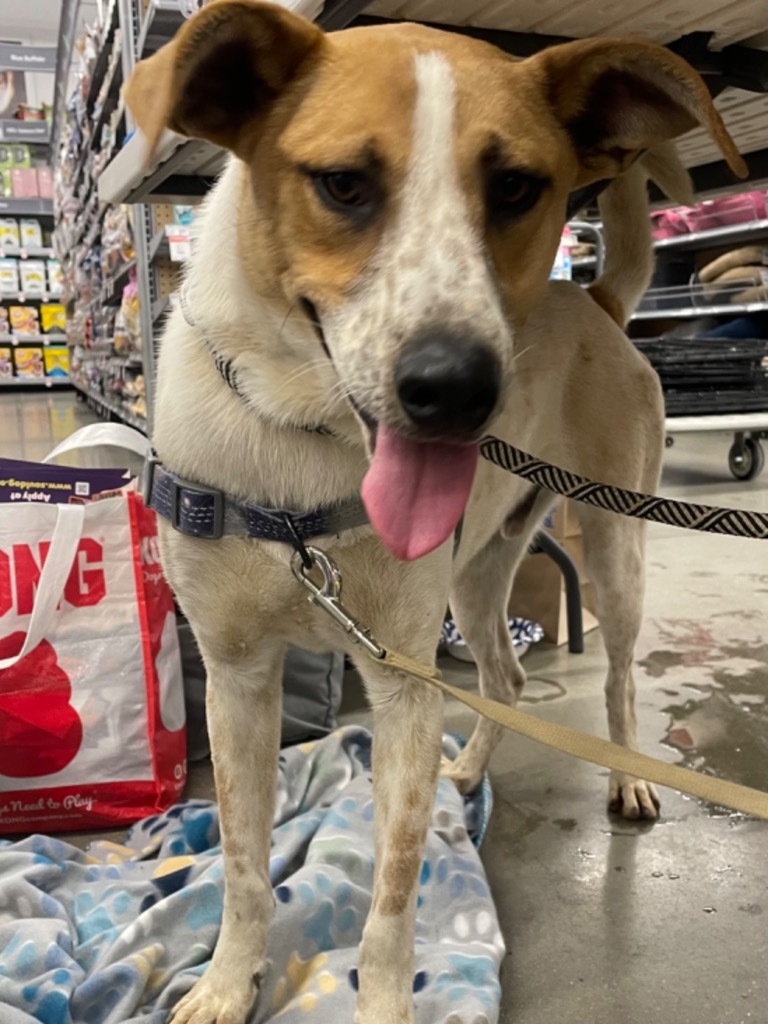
327 596
591 748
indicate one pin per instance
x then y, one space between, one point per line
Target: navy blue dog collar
205 512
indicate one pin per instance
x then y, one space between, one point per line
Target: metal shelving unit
26 207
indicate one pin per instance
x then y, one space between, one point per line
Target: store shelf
161 306
161 21
181 168
732 234
33 339
159 245
27 207
107 408
28 253
46 382
101 63
22 299
691 312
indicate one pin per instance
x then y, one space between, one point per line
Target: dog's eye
350 191
511 193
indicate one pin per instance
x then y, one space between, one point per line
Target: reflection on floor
608 922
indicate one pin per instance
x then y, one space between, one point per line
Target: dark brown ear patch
222 93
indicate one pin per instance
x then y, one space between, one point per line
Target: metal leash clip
328 596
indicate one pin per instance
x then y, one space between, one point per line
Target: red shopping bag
91 696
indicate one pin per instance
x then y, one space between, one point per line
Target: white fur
431 269
244 605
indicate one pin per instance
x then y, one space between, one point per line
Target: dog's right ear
220 72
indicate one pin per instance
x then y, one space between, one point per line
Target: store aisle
32 424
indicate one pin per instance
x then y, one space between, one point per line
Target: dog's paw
633 799
463 773
215 1002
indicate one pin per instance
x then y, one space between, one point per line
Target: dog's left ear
221 72
617 97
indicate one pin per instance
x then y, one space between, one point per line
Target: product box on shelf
32 274
5 327
6 363
9 278
9 233
56 361
33 278
53 318
45 182
24 320
30 364
21 156
24 183
30 233
55 278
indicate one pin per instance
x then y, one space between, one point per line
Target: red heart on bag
40 731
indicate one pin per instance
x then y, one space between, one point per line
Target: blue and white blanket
120 933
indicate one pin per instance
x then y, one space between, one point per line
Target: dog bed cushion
120 933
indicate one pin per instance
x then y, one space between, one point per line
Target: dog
368 295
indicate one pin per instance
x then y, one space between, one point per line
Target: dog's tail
629 260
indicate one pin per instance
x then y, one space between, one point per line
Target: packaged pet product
6 363
55 278
53 318
24 320
30 364
31 234
56 361
9 234
5 327
32 273
21 156
562 270
9 278
24 183
45 182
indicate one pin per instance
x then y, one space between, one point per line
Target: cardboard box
29 363
56 361
45 182
6 363
53 318
539 591
24 183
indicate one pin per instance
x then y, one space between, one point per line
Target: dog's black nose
447 384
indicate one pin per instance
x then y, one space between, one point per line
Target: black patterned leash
733 522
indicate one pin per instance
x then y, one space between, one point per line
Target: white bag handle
116 435
70 520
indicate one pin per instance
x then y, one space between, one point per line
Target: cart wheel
746 461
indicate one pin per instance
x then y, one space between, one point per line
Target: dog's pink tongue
415 494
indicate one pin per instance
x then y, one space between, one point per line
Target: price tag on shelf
179 242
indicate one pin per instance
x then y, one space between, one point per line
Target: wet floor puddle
715 695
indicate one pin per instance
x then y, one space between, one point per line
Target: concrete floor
608 922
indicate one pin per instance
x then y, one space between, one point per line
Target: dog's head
412 188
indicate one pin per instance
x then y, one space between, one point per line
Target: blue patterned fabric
120 933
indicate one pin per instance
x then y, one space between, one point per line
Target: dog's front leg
406 760
243 705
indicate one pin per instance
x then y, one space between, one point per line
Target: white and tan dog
375 260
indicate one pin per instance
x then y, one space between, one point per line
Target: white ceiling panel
745 113
663 20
